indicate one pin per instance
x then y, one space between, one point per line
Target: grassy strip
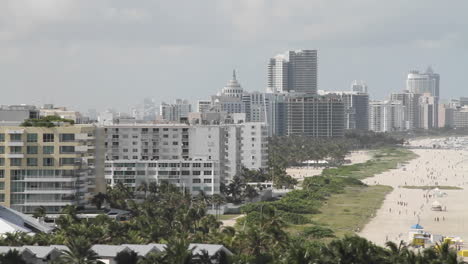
384 159
431 187
348 212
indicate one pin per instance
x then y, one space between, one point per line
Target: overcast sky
113 53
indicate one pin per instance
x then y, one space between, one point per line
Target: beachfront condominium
386 116
314 116
49 166
183 150
410 102
421 83
293 71
356 108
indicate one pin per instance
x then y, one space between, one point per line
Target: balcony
15 144
15 156
16 131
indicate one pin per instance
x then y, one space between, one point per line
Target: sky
113 53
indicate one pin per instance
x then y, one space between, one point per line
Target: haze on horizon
102 54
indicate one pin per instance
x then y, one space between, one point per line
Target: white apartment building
386 116
192 175
175 112
232 146
428 111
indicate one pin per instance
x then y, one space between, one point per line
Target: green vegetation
384 159
349 211
337 199
432 187
46 121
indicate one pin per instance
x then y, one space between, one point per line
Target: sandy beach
405 207
300 173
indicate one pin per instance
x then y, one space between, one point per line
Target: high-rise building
50 167
229 100
428 111
446 115
356 108
228 147
359 86
411 107
295 71
460 117
278 74
303 71
386 116
175 112
421 83
203 106
314 116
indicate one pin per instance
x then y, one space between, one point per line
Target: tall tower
278 68
421 83
303 71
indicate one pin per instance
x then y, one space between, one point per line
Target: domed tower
233 87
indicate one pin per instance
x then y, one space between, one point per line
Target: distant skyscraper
278 69
421 83
303 71
296 72
359 86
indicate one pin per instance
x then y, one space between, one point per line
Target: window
2 185
185 173
2 197
207 165
165 136
185 165
196 181
2 174
48 138
135 150
15 150
31 161
175 143
15 162
15 137
196 165
125 150
196 173
2 162
67 137
206 180
206 172
32 137
67 149
2 137
67 161
48 162
48 150
31 149
2 150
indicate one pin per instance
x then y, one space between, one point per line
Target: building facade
386 116
314 116
50 167
229 146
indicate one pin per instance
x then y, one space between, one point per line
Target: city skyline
71 49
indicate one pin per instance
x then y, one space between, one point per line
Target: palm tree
396 253
177 251
12 257
98 200
79 252
126 257
40 212
216 201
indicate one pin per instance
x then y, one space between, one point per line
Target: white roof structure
13 221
